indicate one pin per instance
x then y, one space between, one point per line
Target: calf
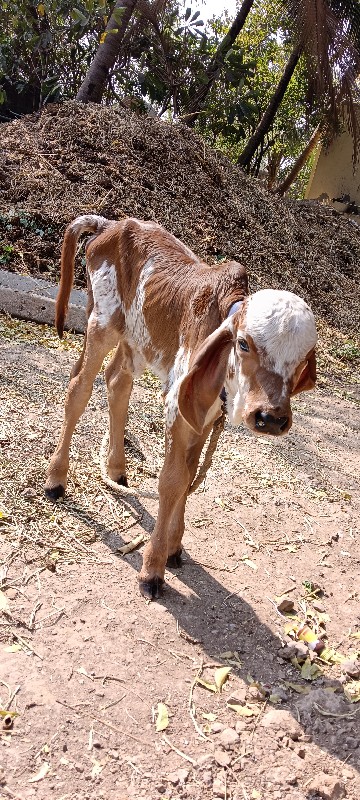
197 328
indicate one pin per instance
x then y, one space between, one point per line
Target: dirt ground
85 660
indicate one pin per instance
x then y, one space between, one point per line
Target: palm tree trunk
299 163
201 91
94 83
270 113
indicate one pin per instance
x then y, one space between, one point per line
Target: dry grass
73 158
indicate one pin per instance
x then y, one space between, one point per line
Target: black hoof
122 481
55 492
175 561
152 589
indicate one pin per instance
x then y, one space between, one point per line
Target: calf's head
262 354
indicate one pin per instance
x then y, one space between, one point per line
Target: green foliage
45 50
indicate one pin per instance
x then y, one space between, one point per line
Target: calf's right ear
205 378
305 378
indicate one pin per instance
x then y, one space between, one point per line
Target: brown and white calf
198 329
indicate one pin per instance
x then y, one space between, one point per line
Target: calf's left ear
305 378
205 379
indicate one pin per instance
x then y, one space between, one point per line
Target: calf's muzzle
267 423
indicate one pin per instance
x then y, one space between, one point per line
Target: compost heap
72 158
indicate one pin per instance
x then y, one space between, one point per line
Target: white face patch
177 373
237 387
282 327
106 296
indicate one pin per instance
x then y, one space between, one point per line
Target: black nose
266 423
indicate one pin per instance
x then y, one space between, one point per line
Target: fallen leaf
298 687
255 795
244 711
12 648
162 719
82 671
355 635
310 671
221 675
248 562
210 686
97 768
4 713
210 716
43 771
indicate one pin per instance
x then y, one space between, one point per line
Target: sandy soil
85 661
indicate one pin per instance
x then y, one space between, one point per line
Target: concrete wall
333 173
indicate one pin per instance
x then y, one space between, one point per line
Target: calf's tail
88 222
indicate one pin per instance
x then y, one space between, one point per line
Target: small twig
13 694
36 608
114 703
103 722
191 703
25 644
179 752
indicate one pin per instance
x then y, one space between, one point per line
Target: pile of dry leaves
72 159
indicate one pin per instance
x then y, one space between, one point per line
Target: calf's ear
305 378
205 379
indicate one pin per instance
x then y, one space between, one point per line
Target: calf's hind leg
98 343
119 381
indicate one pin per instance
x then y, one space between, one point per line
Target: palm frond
328 32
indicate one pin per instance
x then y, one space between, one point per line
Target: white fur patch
136 329
88 221
177 373
106 296
282 326
237 387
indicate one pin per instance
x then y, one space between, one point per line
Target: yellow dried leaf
162 719
41 9
210 686
355 635
244 711
43 771
255 795
248 562
210 716
12 648
221 675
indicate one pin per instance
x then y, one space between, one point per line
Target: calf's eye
243 345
